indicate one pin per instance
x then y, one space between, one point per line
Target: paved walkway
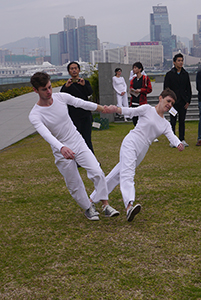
14 122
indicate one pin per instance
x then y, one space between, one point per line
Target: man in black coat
198 87
78 87
177 79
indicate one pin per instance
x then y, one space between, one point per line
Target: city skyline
116 22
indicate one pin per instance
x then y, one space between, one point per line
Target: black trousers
84 126
135 119
182 116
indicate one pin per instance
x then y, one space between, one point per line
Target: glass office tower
87 41
160 29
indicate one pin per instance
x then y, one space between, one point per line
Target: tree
94 81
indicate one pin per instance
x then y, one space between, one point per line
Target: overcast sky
117 21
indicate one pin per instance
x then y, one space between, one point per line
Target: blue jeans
199 125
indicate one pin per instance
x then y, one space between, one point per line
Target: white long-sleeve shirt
119 84
149 126
54 124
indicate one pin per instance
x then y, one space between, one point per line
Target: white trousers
122 101
124 172
68 168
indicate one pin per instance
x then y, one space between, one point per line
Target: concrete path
14 122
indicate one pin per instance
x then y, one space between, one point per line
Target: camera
75 80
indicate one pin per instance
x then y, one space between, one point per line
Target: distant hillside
113 46
146 38
28 46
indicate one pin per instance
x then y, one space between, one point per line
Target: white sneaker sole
94 218
136 209
114 214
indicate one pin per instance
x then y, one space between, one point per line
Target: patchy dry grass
49 250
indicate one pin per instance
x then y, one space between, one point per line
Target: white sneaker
184 143
172 146
91 214
110 211
132 212
155 140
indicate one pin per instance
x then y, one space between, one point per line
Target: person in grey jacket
177 79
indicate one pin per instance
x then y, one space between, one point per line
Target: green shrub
12 93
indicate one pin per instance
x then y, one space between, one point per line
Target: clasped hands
110 109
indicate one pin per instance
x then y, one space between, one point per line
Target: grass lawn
49 250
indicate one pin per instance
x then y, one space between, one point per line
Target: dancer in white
120 87
135 145
50 118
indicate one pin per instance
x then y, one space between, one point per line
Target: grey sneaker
94 208
91 214
110 211
132 212
184 143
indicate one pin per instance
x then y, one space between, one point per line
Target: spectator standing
78 87
198 87
177 79
132 74
120 87
140 86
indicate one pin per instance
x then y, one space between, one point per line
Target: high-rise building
70 22
160 29
58 48
54 49
72 45
81 22
63 52
87 41
199 28
195 40
3 53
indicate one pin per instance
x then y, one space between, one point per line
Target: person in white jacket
135 145
120 87
50 118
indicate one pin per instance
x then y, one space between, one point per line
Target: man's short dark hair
168 92
72 62
139 65
177 56
40 79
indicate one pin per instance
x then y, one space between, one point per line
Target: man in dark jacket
177 79
78 87
198 87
